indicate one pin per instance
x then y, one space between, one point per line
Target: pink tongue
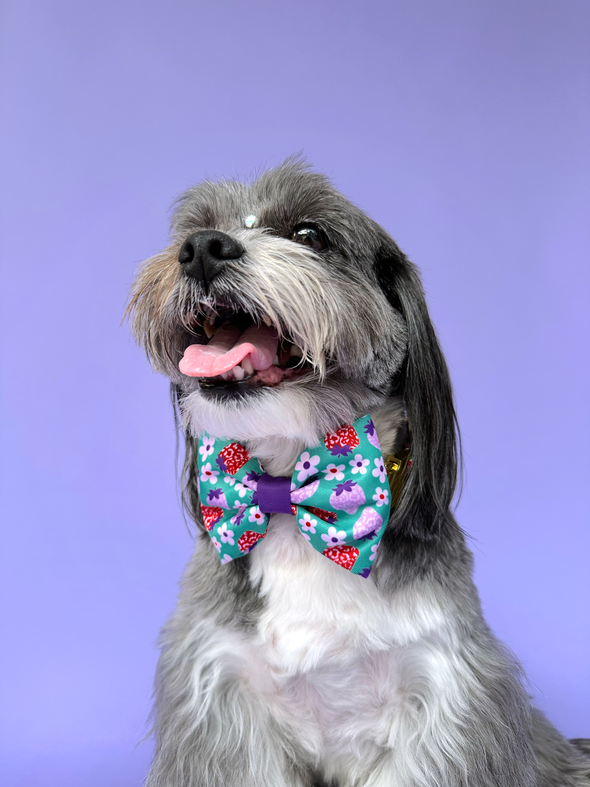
228 348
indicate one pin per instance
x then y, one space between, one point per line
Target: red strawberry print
344 555
211 515
232 457
327 516
249 539
294 510
342 441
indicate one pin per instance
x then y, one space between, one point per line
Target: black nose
203 254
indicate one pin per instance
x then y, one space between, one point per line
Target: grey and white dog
282 669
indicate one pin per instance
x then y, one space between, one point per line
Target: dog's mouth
238 350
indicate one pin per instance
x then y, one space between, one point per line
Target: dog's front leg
212 729
234 745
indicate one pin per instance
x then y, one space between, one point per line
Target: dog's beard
338 342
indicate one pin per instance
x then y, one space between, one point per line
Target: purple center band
274 494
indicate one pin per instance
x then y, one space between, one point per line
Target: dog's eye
310 236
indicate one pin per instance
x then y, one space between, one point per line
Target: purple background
462 127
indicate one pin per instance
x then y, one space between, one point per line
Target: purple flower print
347 496
226 536
307 465
216 497
334 538
379 471
206 446
359 464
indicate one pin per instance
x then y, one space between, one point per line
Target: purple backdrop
462 127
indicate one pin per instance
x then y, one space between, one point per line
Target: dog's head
281 309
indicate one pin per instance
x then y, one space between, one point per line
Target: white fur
345 663
280 413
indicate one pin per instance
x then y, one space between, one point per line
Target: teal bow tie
339 495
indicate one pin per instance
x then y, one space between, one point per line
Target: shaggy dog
282 668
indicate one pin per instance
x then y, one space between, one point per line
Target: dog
282 666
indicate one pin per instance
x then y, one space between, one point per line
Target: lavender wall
463 127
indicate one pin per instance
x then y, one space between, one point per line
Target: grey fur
464 719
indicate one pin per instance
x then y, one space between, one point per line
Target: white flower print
226 559
256 515
216 543
306 536
229 480
335 537
379 471
206 448
359 465
306 466
374 549
226 536
381 496
209 474
241 489
333 471
307 524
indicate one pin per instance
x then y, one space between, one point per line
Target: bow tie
339 495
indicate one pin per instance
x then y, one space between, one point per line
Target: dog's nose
204 253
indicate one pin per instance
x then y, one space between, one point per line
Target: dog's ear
425 385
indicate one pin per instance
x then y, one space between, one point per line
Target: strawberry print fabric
339 496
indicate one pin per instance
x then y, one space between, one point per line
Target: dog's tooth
208 328
275 361
266 320
239 372
247 365
295 352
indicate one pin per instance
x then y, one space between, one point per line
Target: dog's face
290 265
282 309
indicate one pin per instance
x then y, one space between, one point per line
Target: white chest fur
316 612
340 658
